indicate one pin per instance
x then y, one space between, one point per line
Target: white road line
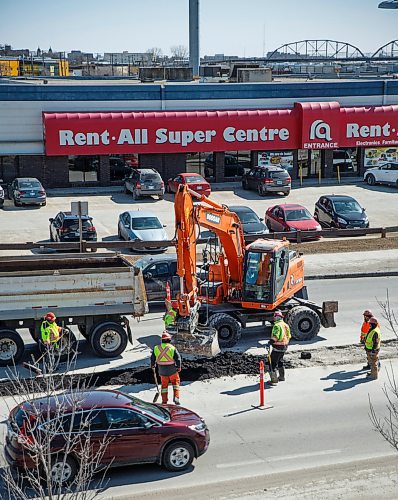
304 455
240 464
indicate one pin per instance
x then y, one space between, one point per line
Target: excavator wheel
304 323
228 328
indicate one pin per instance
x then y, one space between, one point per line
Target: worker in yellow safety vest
170 315
367 314
50 331
372 348
168 360
280 338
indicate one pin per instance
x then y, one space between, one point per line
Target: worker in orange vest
367 314
168 359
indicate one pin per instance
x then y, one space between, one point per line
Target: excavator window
257 279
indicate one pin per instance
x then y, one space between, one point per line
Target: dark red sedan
292 217
134 431
194 181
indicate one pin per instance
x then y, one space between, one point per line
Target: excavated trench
226 364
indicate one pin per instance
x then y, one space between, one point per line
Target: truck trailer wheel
304 323
108 339
67 345
11 347
228 328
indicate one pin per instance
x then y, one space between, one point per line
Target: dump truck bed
70 285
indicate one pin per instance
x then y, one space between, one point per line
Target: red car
194 181
291 217
136 432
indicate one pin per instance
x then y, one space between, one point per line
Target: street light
388 4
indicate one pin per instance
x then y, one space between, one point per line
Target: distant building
125 57
6 50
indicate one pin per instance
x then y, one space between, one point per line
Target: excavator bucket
202 342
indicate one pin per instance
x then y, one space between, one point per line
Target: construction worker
170 315
280 337
367 314
168 360
372 348
50 331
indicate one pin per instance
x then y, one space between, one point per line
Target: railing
296 236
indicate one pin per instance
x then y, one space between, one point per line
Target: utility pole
194 60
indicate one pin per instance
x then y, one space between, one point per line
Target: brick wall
168 165
32 166
56 171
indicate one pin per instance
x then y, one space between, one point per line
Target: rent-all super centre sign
306 126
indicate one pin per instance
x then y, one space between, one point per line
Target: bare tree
179 51
389 314
156 53
53 430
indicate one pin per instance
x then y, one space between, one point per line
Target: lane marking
304 455
240 464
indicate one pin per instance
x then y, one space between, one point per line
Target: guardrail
296 237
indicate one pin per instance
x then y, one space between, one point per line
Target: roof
27 179
272 168
147 170
290 206
134 214
240 208
338 197
69 215
190 174
263 245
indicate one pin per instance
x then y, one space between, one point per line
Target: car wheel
304 323
286 193
371 179
11 347
244 185
67 345
109 339
44 204
119 234
16 203
51 236
63 470
178 456
268 224
260 190
161 197
229 329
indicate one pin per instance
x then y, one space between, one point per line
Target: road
20 224
316 421
354 295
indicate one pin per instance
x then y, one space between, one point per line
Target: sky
247 28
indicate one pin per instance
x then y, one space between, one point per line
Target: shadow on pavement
243 390
344 380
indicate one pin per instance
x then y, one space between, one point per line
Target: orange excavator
237 284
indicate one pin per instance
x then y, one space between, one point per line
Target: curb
375 274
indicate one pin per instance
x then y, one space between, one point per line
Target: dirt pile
226 364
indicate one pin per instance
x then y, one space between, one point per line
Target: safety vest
49 332
369 339
364 330
164 354
280 333
170 317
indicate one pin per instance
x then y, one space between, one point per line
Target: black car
266 180
251 223
65 227
157 271
341 212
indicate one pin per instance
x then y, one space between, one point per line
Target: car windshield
141 263
247 217
298 214
278 175
29 185
346 206
194 178
74 223
150 409
146 223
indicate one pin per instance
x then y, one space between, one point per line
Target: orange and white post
261 383
168 292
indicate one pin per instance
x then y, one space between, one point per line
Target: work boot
366 367
281 377
274 378
371 377
177 401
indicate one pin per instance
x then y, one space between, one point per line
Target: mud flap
202 342
327 317
127 325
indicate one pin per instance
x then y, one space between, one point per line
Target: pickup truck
95 293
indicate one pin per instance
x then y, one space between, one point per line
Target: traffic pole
261 383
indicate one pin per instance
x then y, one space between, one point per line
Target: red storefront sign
168 132
306 126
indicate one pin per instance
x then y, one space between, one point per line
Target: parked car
385 174
157 272
134 432
291 217
340 211
27 191
266 180
144 182
65 227
194 181
141 225
233 166
342 159
118 168
251 223
2 194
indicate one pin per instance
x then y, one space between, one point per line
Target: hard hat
368 313
166 335
50 316
278 314
373 321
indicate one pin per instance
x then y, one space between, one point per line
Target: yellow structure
9 67
37 67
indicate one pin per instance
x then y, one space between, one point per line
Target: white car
140 225
385 174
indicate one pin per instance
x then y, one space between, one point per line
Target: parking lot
21 224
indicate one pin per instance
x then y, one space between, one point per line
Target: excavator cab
266 268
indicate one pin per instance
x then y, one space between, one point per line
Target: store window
345 161
375 157
83 169
283 159
121 166
200 163
236 163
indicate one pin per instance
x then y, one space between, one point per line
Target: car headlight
199 427
341 221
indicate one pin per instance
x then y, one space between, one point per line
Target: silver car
27 191
144 182
141 225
